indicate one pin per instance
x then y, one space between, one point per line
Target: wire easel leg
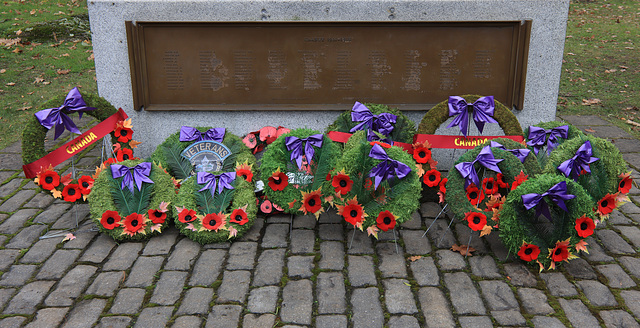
434 220
395 240
445 232
352 237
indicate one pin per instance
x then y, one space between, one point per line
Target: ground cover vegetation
46 50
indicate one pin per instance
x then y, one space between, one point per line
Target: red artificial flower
476 220
500 181
474 195
213 221
109 161
382 144
432 178
311 202
124 154
157 216
268 134
250 140
585 226
239 216
520 178
278 180
71 192
489 186
386 220
244 171
422 154
607 204
85 183
342 183
625 184
443 185
123 134
560 252
134 223
368 183
110 220
352 212
187 216
528 252
49 179
266 207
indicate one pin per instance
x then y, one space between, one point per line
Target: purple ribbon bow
486 159
224 180
520 153
188 133
294 144
382 123
573 166
54 116
140 174
388 168
538 137
482 108
557 193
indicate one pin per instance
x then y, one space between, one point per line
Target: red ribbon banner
76 145
458 142
343 137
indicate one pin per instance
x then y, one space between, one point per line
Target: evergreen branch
141 198
123 199
179 166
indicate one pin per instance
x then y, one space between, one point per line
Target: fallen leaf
63 71
38 80
17 50
570 54
32 12
590 130
2 71
65 55
18 32
486 230
134 144
9 42
69 236
11 84
415 258
90 57
23 108
590 101
46 83
463 249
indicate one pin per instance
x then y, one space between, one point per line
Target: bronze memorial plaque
324 66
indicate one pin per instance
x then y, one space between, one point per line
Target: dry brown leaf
486 230
11 84
23 108
17 50
2 71
590 130
18 32
463 249
633 123
65 55
415 258
33 12
46 83
38 80
590 101
90 57
63 71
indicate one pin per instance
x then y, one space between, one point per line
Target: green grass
602 52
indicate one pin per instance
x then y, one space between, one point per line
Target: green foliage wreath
168 152
226 202
531 165
404 128
542 156
107 195
292 189
392 202
519 226
439 114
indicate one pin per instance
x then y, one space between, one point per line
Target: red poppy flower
268 134
239 216
213 221
328 178
585 226
134 223
625 184
49 179
85 183
311 202
520 178
528 252
157 216
71 192
266 207
386 220
368 184
187 216
489 186
278 180
110 220
432 178
443 185
352 212
607 204
474 195
476 220
244 171
342 183
109 161
250 140
382 144
124 154
560 252
422 154
123 134
500 181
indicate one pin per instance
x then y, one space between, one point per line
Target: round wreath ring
169 150
393 202
525 234
277 168
531 165
34 133
234 221
475 215
110 218
605 173
439 114
403 131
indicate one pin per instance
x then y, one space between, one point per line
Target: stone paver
616 276
534 301
128 301
398 297
169 287
332 255
435 308
366 308
269 268
48 317
123 257
597 293
144 271
297 302
70 286
207 267
300 266
17 275
331 293
154 317
464 296
85 313
425 272
196 301
224 316
578 314
234 287
242 256
28 297
558 285
263 299
183 256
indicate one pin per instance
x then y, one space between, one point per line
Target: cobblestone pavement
312 274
